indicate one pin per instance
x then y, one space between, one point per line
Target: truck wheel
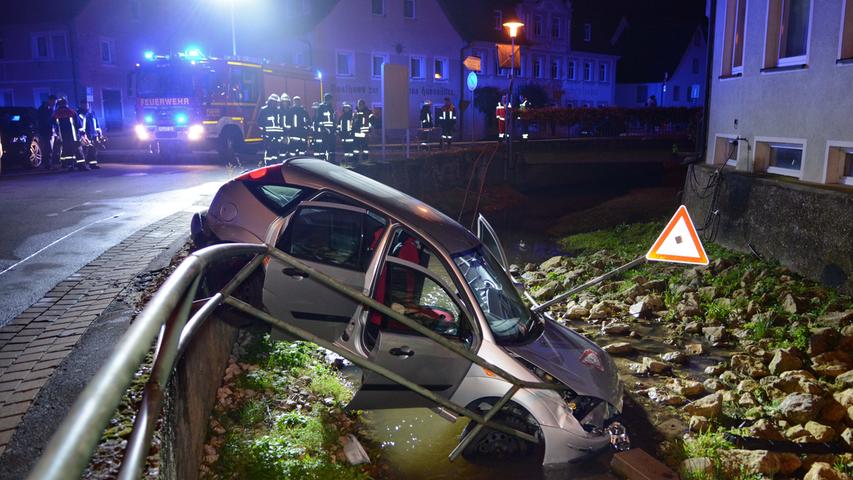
230 142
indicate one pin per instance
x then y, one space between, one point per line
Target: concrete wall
806 228
810 103
190 399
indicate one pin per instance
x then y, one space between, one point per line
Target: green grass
626 241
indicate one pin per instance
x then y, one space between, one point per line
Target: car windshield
165 82
509 319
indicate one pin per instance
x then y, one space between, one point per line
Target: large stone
845 380
844 397
836 320
847 438
616 328
832 411
619 348
820 432
822 340
749 366
655 366
709 406
604 309
688 308
788 462
699 467
789 304
646 305
551 263
800 407
687 388
674 357
832 364
784 361
697 424
665 397
694 349
576 312
546 291
655 285
755 461
765 429
824 471
714 334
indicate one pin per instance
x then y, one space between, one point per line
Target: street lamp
513 26
231 4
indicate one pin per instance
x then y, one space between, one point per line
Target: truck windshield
509 319
165 82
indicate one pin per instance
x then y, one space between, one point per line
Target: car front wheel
34 157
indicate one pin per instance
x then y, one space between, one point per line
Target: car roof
424 219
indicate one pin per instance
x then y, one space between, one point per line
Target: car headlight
141 132
195 132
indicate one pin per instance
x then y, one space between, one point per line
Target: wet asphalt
54 223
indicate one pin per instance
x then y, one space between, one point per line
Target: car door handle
402 352
294 272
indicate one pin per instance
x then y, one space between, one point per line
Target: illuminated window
441 69
788 24
694 93
779 156
345 64
735 21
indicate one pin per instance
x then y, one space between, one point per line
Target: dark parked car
19 136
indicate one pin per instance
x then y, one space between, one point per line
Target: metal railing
167 319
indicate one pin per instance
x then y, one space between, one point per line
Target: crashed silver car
414 259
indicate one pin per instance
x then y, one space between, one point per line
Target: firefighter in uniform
523 106
269 120
92 135
447 121
363 121
312 142
284 114
345 130
426 123
68 127
299 123
500 114
324 129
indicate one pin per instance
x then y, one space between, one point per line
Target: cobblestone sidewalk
38 340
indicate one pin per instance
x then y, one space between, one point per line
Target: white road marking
59 240
75 206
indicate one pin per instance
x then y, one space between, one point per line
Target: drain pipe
702 142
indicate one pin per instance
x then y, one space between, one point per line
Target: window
279 198
41 46
556 28
416 67
642 93
788 24
7 98
377 60
345 64
107 51
555 69
846 42
587 32
602 73
735 23
779 156
441 69
332 236
587 71
695 65
839 167
409 8
538 25
537 68
694 93
377 7
499 20
676 93
244 84
570 73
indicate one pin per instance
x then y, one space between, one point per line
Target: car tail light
271 174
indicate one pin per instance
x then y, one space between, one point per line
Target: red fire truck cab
196 102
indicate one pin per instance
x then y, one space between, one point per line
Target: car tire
230 142
34 159
493 445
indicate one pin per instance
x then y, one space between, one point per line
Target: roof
42 11
425 220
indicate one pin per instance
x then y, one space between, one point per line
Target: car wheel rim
35 155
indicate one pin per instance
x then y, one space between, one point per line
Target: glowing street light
231 4
513 26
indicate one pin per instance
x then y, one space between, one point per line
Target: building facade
780 99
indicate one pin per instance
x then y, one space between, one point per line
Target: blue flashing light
181 118
148 55
193 53
149 118
319 75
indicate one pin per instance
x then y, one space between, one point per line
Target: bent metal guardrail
167 319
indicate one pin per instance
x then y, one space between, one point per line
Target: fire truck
193 102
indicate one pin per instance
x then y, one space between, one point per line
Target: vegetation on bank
279 414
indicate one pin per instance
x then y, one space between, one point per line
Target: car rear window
279 198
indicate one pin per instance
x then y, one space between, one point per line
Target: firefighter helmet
285 97
273 98
346 105
297 98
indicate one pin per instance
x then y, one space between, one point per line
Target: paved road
51 224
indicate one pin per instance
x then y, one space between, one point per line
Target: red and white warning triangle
679 242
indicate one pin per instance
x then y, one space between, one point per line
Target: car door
338 240
490 240
412 280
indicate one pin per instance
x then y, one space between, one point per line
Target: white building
781 92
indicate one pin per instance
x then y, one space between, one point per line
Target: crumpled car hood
574 360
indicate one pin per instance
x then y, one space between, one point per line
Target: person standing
346 131
500 114
523 107
363 122
299 123
285 106
269 120
427 124
46 131
324 126
447 120
92 134
68 126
